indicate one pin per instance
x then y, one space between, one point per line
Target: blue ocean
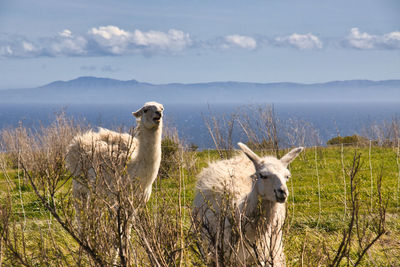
330 119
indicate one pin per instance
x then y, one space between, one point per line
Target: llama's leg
126 243
80 199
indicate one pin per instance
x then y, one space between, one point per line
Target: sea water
329 119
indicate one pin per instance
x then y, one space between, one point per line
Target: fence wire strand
324 164
344 182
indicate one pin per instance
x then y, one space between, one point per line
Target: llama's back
232 175
123 142
87 148
222 177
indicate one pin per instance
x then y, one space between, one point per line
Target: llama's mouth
280 195
157 119
280 199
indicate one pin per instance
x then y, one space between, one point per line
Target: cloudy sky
198 40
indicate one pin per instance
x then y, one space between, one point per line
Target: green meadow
318 210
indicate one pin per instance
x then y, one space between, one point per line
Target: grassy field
318 209
319 201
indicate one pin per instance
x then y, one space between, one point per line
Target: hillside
104 90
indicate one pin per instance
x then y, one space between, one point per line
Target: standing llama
250 231
142 152
120 168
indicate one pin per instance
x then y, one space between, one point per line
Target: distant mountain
104 90
90 82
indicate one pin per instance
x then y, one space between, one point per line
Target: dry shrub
221 132
386 133
159 233
261 126
163 232
301 133
354 140
212 246
227 246
40 156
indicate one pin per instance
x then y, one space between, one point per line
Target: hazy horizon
205 82
198 41
101 90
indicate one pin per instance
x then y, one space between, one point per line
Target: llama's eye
262 176
145 111
288 176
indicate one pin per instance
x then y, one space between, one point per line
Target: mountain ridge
89 89
133 81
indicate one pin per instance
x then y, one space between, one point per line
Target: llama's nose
282 193
158 113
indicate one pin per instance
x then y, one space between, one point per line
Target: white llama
139 156
257 192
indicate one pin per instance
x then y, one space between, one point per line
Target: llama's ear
138 113
250 154
289 157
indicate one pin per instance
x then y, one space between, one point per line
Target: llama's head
150 115
271 174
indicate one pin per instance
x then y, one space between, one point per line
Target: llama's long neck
267 220
256 207
146 157
149 142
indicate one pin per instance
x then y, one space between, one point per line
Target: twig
63 224
319 187
344 182
370 169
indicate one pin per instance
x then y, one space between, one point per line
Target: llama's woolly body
104 142
225 175
261 218
232 177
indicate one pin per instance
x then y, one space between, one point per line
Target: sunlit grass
315 214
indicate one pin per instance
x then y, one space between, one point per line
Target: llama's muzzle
158 116
280 195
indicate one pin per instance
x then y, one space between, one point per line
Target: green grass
316 205
317 213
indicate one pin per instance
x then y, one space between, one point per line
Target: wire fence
319 185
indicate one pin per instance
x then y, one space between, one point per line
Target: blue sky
198 40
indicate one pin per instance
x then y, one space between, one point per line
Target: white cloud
111 39
67 44
75 46
28 47
65 33
239 41
104 40
18 48
174 40
360 40
108 32
6 51
365 41
300 41
118 41
392 39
